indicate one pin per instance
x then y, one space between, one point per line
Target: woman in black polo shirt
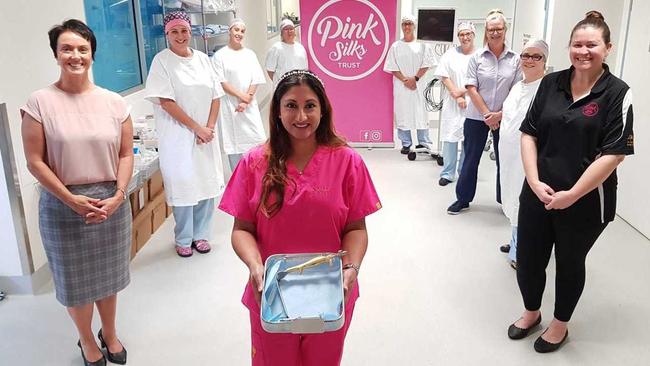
578 130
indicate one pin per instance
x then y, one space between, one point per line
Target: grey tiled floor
435 291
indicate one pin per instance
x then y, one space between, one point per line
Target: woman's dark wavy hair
278 146
75 26
595 20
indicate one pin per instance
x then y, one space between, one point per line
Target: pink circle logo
590 109
348 39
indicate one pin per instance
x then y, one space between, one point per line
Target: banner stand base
368 144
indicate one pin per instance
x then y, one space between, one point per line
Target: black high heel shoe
117 357
100 362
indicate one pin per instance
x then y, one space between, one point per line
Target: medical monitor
436 24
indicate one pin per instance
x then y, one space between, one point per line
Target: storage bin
310 301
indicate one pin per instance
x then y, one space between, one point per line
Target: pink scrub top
334 189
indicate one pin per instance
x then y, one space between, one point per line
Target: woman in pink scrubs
303 191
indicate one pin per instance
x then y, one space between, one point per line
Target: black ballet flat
544 346
100 362
117 357
515 332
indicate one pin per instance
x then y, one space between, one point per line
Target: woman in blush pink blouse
78 141
303 191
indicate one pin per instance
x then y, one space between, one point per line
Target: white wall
27 64
529 19
467 9
634 173
291 6
567 13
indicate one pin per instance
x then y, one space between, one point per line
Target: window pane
117 64
272 17
154 35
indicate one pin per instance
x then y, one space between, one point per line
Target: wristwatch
417 78
123 193
353 266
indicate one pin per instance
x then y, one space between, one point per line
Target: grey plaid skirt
88 261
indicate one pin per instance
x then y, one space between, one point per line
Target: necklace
307 162
302 159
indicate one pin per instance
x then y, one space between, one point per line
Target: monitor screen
436 25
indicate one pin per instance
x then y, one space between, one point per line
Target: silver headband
300 72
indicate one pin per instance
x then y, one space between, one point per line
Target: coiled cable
431 104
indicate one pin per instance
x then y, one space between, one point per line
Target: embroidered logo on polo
590 109
321 189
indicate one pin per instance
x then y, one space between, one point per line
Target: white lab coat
240 131
409 105
191 172
515 108
453 65
283 57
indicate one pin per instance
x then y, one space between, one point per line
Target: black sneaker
405 150
444 181
457 207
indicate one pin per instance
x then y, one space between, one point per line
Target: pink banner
347 42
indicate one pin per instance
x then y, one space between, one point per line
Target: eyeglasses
535 57
465 35
495 30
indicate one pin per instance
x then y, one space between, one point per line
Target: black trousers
538 232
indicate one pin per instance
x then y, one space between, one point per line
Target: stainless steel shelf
207 47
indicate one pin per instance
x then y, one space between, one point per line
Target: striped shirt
493 78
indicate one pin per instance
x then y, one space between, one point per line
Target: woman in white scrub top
533 61
240 73
452 71
287 54
185 92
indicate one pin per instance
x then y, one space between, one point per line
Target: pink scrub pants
282 349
